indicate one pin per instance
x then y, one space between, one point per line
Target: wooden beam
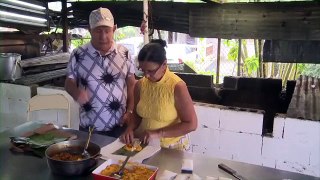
239 58
212 1
305 101
45 60
218 61
64 25
291 51
284 21
265 20
260 58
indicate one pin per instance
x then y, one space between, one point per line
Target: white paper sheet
145 153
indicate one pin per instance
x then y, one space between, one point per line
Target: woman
163 107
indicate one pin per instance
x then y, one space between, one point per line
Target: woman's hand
128 136
147 136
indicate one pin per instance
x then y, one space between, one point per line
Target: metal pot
71 168
10 68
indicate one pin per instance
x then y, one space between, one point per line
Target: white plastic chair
49 102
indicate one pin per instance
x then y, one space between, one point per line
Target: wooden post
170 37
145 18
64 25
239 58
260 58
218 61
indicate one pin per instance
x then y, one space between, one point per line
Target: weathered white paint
241 121
278 126
209 121
207 138
10 120
14 98
59 116
244 147
13 105
222 133
268 162
295 145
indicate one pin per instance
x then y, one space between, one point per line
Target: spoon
85 153
120 172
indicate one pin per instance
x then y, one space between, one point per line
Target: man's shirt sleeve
71 73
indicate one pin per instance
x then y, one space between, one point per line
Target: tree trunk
170 37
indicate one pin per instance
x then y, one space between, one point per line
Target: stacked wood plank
305 102
44 68
41 77
45 60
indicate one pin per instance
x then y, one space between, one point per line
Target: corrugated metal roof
305 102
294 21
165 16
29 15
291 51
287 21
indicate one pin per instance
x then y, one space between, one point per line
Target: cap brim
103 23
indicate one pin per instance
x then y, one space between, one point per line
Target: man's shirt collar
93 50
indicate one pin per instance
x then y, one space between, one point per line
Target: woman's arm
130 91
186 113
128 115
127 136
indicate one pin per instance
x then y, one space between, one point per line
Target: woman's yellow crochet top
157 107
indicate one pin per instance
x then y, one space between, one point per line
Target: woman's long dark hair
153 52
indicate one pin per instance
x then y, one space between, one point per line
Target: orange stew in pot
65 156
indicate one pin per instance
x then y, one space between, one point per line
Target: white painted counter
223 133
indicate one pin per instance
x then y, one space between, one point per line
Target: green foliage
206 72
198 69
191 64
201 50
56 30
311 70
121 33
126 32
79 42
300 68
199 64
233 45
251 64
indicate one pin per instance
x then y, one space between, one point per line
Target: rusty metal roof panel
165 16
276 21
27 15
291 51
305 102
257 20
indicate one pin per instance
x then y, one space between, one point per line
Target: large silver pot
71 168
10 68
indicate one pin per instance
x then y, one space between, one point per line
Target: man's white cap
101 17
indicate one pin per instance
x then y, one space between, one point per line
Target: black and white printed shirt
104 78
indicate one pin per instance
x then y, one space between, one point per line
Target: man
100 78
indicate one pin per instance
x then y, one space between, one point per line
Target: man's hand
126 118
83 97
